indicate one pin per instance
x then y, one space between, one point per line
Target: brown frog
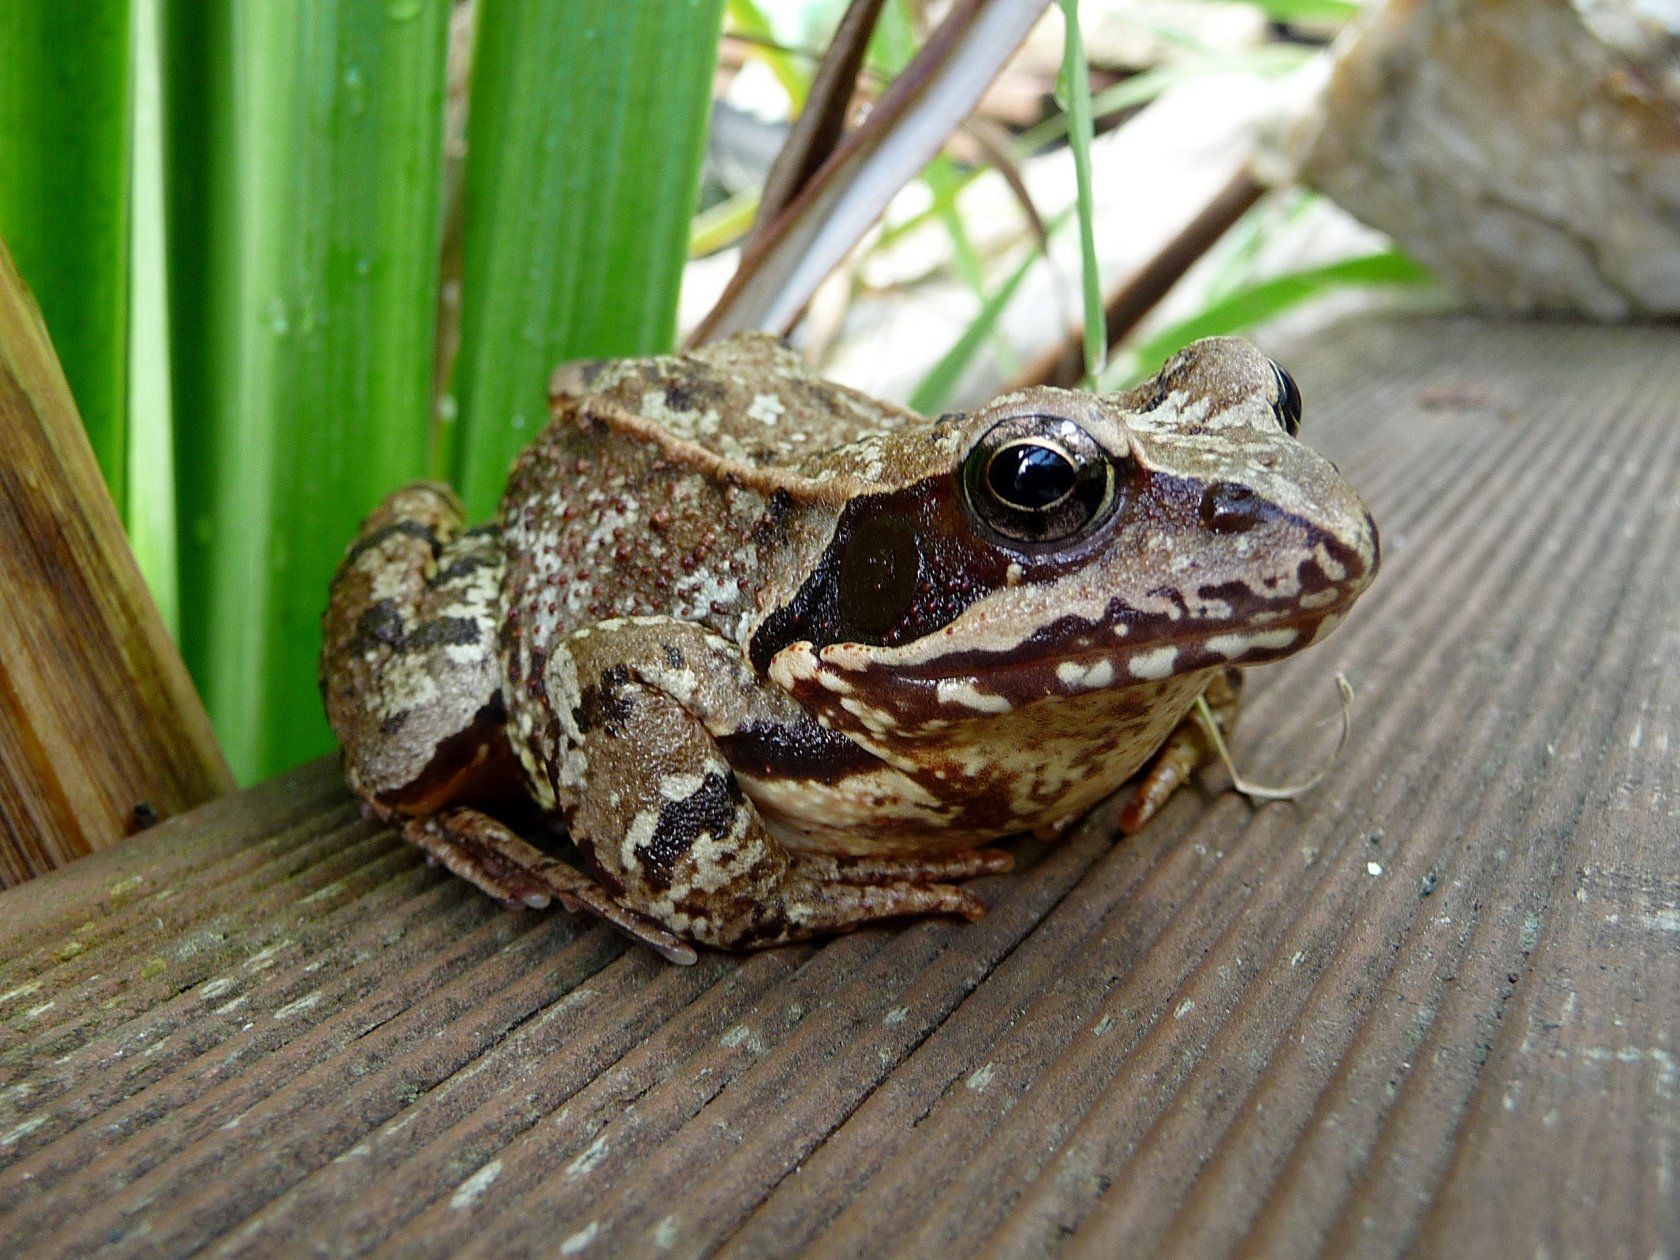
779 657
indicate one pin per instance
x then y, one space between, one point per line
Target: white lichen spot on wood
302 1004
741 1035
22 1130
124 888
470 1191
665 1233
980 1078
578 1241
264 958
23 990
590 1159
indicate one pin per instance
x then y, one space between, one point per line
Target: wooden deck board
1433 1008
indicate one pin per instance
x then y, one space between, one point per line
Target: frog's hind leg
491 856
1186 750
669 828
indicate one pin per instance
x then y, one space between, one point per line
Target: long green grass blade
1306 10
64 120
151 432
1073 91
304 151
1265 300
584 146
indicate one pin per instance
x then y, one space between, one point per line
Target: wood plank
1433 1008
101 732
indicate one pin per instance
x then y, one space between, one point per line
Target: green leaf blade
305 164
1073 90
64 197
1266 299
587 127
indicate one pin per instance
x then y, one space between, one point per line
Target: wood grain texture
98 718
1431 1009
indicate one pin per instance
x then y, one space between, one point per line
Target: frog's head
1058 542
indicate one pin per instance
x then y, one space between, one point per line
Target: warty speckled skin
779 656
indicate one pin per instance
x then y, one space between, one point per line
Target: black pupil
1029 475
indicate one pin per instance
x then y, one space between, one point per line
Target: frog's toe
885 868
819 907
484 853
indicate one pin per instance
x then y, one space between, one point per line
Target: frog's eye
1038 479
1288 404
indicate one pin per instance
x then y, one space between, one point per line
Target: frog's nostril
1229 508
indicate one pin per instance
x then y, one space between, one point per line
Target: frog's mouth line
1131 661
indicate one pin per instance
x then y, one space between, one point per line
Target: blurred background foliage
294 253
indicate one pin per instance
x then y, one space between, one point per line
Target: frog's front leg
409 666
650 797
1185 751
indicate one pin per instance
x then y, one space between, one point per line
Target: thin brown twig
816 133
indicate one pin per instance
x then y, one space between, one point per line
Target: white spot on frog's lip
1076 676
1153 665
1231 646
963 691
1320 599
875 721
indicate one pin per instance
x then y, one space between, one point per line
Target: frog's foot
493 858
1186 750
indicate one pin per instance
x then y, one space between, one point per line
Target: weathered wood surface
100 728
1432 1009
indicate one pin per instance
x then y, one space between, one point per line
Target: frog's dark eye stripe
1288 404
1038 479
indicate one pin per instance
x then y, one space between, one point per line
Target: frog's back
748 400
650 492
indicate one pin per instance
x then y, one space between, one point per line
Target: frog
750 657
